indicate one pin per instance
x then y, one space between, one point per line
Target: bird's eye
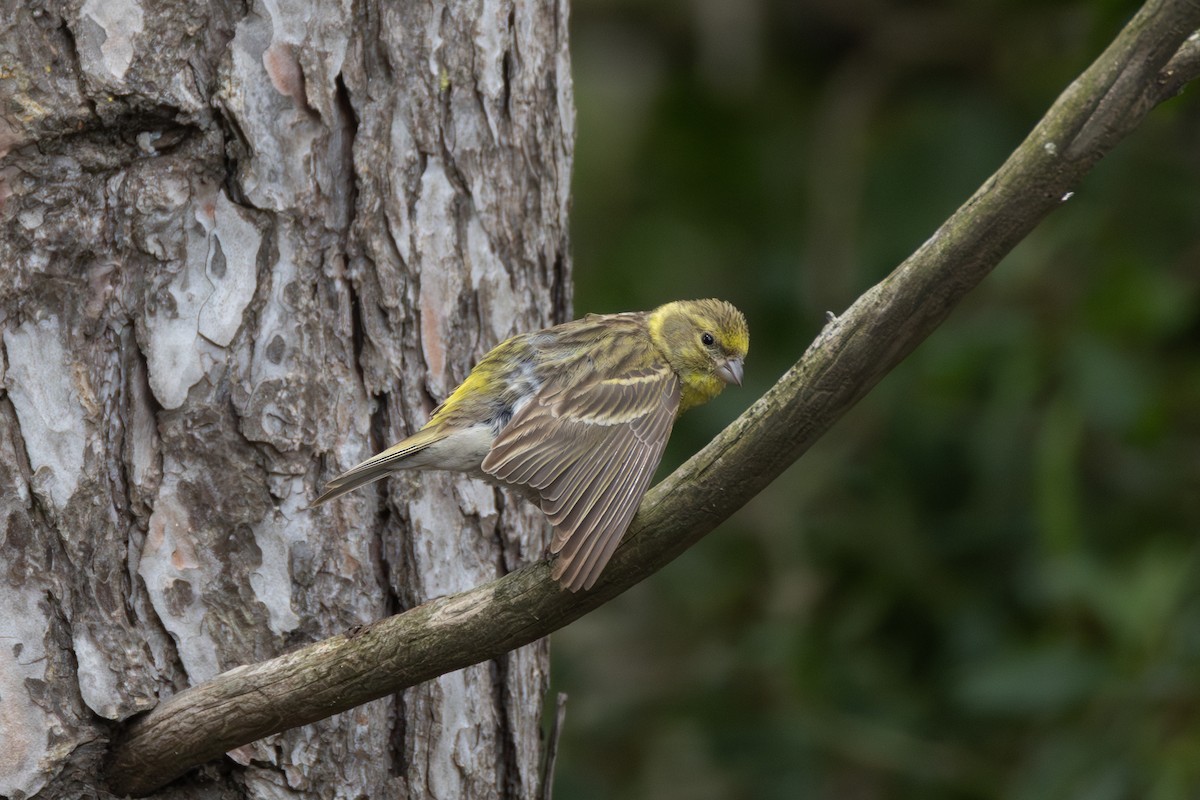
707 339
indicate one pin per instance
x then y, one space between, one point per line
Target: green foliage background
985 580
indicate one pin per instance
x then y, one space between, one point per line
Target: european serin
577 416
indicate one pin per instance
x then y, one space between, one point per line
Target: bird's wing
589 450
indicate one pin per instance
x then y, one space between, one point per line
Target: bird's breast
698 390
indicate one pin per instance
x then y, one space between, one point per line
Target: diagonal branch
1150 61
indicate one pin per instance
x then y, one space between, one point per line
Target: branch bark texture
1151 59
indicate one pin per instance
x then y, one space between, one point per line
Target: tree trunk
242 250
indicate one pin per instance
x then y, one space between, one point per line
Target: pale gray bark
243 247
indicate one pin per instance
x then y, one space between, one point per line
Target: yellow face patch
699 337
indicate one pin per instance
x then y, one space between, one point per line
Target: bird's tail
377 466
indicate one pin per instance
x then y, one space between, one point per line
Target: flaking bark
243 246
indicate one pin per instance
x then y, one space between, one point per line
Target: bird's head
705 341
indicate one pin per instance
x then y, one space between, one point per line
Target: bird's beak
731 371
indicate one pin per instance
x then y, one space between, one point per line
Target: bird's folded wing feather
589 450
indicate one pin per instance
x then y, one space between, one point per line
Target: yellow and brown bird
576 416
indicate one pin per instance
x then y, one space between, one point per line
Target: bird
576 417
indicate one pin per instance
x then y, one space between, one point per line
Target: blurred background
985 580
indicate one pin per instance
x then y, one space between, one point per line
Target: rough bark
244 246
